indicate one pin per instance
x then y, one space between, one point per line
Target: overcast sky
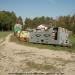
33 8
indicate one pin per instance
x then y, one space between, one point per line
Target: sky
37 8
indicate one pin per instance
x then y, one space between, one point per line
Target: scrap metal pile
44 35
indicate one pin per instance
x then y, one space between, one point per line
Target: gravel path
17 59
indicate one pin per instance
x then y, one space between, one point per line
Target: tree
7 20
20 19
33 23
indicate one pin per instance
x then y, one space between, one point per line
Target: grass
72 38
4 34
43 46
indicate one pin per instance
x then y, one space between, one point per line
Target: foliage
63 21
7 20
33 23
72 38
20 19
66 22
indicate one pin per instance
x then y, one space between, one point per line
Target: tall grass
72 38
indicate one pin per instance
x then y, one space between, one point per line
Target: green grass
43 46
4 34
72 38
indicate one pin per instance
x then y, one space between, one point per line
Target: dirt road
16 59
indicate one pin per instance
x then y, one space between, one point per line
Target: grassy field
4 34
51 47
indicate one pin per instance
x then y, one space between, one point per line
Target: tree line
62 21
8 20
